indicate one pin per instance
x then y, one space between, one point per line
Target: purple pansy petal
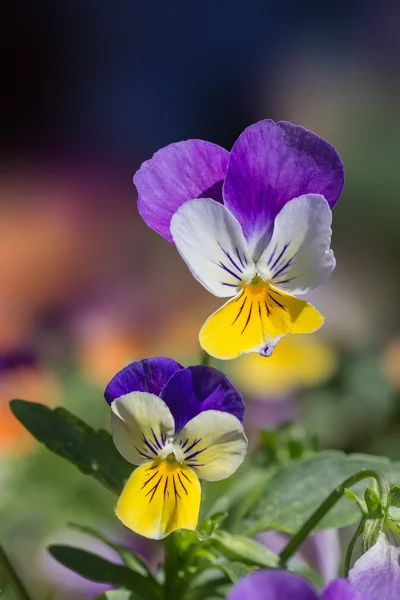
272 163
196 389
148 375
377 572
177 173
342 590
272 585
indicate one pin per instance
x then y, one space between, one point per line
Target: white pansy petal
213 444
298 257
140 425
211 242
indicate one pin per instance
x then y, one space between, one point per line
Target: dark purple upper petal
342 590
272 585
196 389
148 375
177 173
272 163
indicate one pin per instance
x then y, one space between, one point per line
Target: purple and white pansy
253 224
179 425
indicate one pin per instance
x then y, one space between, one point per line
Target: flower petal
298 257
342 590
211 242
140 425
177 173
196 389
272 585
272 163
213 444
254 320
377 572
159 498
148 375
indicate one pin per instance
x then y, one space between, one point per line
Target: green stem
304 531
11 574
350 547
205 358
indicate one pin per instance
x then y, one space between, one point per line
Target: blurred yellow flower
106 351
297 362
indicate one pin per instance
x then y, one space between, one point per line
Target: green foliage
131 560
93 452
394 504
244 549
284 444
117 595
98 569
294 491
374 521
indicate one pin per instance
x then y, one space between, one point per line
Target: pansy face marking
254 225
178 425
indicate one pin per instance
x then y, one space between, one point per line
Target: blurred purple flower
16 359
321 550
283 585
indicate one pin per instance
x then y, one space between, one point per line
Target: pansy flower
253 225
179 425
283 585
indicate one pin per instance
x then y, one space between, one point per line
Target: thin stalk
350 547
304 531
205 358
12 576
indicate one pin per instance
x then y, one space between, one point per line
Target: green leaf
98 569
207 527
243 549
128 557
93 452
295 491
373 502
371 533
234 570
394 504
116 595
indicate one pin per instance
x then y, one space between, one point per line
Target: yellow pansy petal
258 315
158 498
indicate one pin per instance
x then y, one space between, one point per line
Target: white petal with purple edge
211 242
214 444
141 423
298 257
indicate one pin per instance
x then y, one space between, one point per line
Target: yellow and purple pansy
178 425
253 224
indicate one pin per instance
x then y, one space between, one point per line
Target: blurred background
89 91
